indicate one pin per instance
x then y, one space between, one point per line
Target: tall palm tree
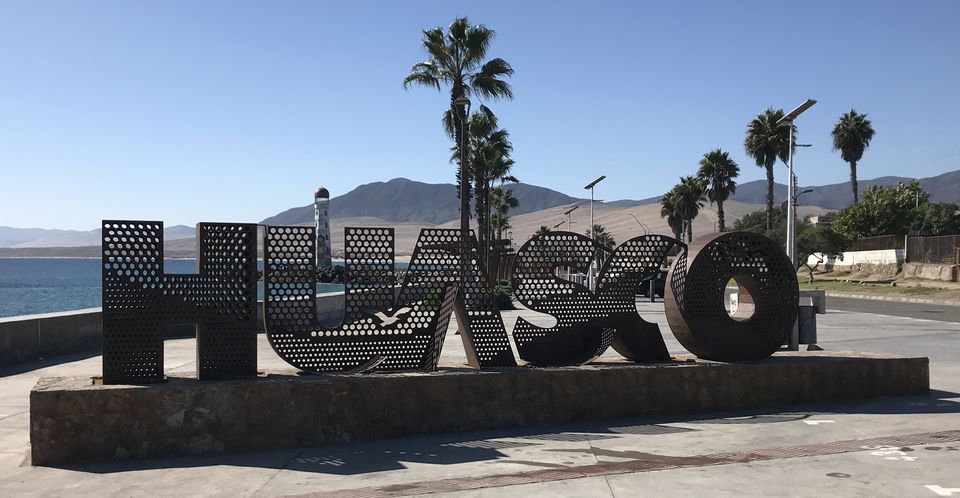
690 199
456 59
765 142
669 209
490 161
717 173
851 136
502 201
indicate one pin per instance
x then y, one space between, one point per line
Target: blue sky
190 111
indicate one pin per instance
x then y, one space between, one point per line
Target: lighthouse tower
321 219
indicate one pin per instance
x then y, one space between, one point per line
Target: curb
915 300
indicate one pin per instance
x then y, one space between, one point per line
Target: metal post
795 332
590 271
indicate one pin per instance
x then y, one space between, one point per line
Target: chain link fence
941 249
878 243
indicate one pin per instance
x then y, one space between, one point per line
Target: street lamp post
567 213
590 188
787 121
461 109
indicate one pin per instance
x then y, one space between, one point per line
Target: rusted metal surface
654 463
768 297
139 300
378 332
587 322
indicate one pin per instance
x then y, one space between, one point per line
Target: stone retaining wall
73 420
945 273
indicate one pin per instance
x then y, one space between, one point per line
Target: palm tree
490 161
851 136
717 173
669 209
690 199
603 237
456 59
765 142
541 231
502 201
605 240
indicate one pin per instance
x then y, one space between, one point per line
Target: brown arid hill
617 220
622 225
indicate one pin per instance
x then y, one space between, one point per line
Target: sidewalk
886 447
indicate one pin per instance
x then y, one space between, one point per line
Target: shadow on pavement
30 365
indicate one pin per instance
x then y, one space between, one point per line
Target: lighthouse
321 219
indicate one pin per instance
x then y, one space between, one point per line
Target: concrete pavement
550 459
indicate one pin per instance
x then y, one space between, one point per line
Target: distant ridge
408 201
25 238
410 204
942 188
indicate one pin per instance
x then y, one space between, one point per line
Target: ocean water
41 285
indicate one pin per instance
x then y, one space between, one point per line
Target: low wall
73 420
851 258
946 273
31 337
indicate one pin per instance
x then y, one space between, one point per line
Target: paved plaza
908 446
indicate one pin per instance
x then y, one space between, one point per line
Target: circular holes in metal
740 303
695 297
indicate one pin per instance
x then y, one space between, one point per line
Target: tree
488 161
456 59
602 237
851 136
717 173
541 231
690 198
818 242
491 162
756 222
670 209
605 240
502 201
765 142
882 211
936 218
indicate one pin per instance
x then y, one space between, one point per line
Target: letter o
768 296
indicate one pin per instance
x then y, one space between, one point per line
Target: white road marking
818 422
942 491
890 453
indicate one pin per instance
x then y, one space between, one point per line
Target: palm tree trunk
460 138
770 195
486 203
853 181
720 216
689 230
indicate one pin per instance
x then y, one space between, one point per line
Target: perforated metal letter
587 323
768 296
377 332
139 300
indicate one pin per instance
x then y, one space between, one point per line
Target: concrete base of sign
74 420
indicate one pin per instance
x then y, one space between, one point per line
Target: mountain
834 196
24 238
403 200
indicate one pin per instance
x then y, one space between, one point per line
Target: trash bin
807 324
